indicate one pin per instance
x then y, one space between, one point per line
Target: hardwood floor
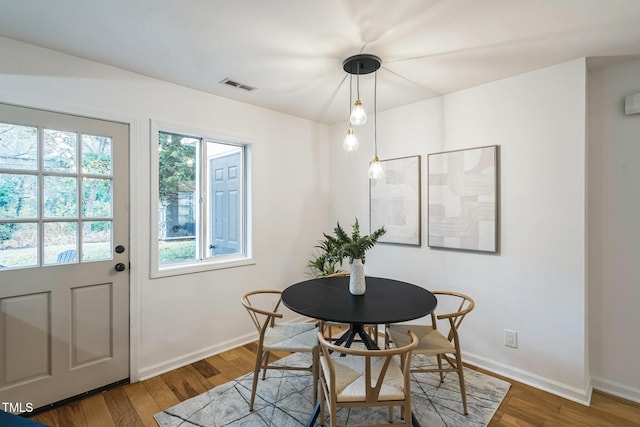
135 404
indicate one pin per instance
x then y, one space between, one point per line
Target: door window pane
96 198
60 151
18 147
56 190
18 196
60 243
18 245
60 197
96 240
96 155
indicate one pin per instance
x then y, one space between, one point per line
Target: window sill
219 264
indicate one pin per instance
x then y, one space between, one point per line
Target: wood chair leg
408 419
322 398
315 369
256 373
333 418
463 391
373 331
439 357
265 364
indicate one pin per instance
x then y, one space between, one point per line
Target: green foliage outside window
177 165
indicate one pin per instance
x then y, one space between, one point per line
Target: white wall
536 285
184 318
614 231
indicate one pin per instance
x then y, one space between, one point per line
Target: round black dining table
384 301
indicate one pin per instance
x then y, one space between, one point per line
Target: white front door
64 255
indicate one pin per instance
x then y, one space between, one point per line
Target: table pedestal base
357 329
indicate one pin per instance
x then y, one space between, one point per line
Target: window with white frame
200 202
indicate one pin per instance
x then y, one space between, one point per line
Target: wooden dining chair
365 378
283 337
433 342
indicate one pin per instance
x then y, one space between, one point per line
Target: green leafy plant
342 245
324 264
355 246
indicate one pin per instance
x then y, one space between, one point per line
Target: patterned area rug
285 398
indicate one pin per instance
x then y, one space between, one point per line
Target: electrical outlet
511 338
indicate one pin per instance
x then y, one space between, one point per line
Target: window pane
96 240
178 206
18 147
96 198
60 243
18 196
60 151
60 197
225 188
96 155
176 251
18 245
201 203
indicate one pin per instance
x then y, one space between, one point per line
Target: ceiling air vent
230 82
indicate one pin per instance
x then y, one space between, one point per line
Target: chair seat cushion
350 378
293 337
430 341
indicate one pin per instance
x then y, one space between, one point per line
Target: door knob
120 266
119 249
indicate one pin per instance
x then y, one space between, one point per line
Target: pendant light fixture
358 116
359 65
350 141
375 167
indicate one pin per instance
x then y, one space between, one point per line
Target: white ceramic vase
357 285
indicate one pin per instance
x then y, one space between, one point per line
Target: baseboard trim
616 389
582 396
187 359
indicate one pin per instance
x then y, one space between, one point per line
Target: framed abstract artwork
463 199
395 201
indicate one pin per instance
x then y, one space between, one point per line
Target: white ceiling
292 50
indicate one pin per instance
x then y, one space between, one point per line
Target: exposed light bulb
350 141
358 116
375 169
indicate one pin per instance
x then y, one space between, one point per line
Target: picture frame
462 199
395 201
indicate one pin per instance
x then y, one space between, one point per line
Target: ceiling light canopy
361 64
358 65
